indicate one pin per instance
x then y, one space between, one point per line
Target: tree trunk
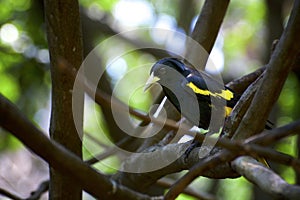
65 42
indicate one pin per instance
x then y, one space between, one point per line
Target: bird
195 94
192 92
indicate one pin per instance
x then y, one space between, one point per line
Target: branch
186 13
232 122
239 85
216 169
35 195
206 31
166 183
265 178
268 137
60 158
109 151
200 168
282 59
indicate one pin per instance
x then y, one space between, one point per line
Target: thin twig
95 140
189 191
268 137
108 152
43 187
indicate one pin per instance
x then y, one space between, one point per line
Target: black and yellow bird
196 95
201 99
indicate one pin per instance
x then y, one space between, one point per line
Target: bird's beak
151 80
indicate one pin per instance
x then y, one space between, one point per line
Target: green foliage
9 87
8 8
235 189
185 197
243 35
289 111
106 5
7 141
24 77
289 101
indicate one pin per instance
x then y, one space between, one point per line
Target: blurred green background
244 44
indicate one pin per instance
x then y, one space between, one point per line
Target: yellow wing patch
225 94
227 111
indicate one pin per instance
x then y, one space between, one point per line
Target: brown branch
186 13
233 121
60 158
265 178
276 73
269 137
239 85
206 31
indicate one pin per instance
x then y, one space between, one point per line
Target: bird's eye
162 70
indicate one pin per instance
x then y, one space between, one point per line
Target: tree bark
65 42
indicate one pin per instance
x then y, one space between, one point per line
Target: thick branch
265 178
216 170
233 121
276 73
206 31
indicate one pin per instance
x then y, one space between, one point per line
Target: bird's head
162 68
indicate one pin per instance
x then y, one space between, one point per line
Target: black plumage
193 92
